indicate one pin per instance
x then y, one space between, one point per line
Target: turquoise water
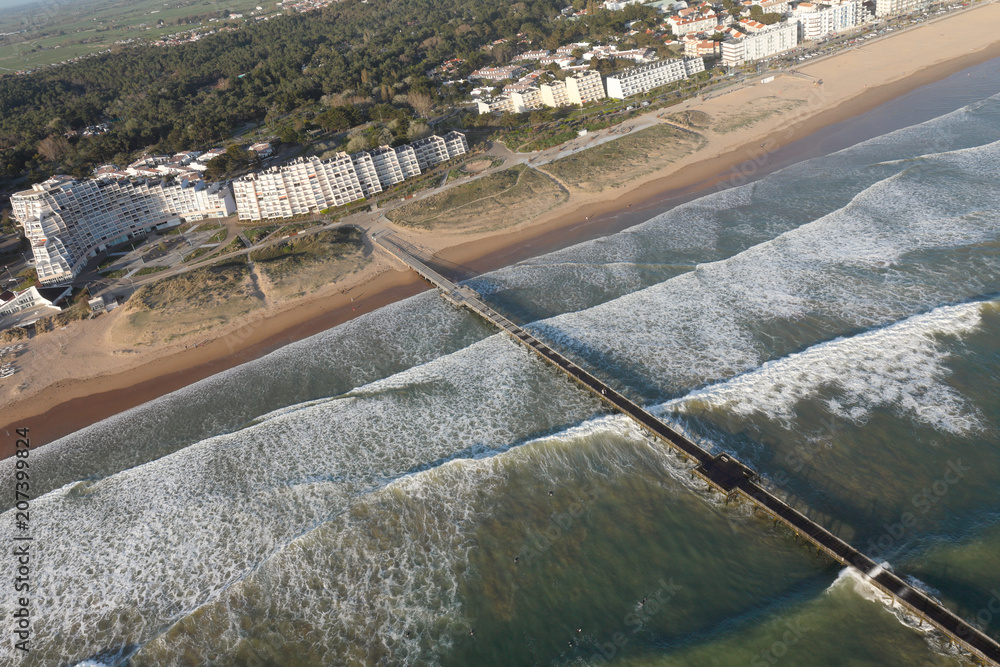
411 488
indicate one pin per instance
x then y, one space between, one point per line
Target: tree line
351 63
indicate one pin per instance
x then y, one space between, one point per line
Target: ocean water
413 488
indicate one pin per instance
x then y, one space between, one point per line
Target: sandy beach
73 377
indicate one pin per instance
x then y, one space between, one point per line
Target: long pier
722 472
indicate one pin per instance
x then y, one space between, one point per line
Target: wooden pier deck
722 472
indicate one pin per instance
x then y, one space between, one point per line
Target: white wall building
682 26
894 7
584 87
773 6
525 99
819 21
303 186
618 5
456 143
554 94
387 166
408 160
68 220
430 151
364 167
500 104
28 306
777 38
308 185
644 78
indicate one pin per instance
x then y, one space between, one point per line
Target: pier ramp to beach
722 472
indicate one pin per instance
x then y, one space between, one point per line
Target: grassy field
749 115
616 162
186 304
56 33
300 265
150 270
496 201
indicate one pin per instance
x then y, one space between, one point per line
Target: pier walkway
722 472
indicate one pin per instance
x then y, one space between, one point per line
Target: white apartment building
407 161
700 47
498 73
773 6
819 21
618 5
554 94
530 55
500 104
525 99
364 167
456 143
777 38
387 166
430 151
308 185
305 185
682 26
29 306
894 7
584 87
644 78
68 220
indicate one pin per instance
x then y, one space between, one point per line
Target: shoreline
71 404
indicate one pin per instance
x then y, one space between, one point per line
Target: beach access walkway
722 472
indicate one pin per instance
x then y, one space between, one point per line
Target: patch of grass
26 278
234 245
548 141
289 229
619 161
333 243
749 115
300 264
149 270
199 252
257 233
114 275
693 119
492 202
176 230
186 304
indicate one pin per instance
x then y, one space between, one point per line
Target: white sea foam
901 367
371 347
849 269
384 577
851 580
285 506
136 550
